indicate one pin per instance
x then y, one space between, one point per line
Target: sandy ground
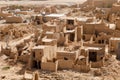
111 71
10 72
67 2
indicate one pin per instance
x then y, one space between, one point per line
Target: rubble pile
83 39
12 31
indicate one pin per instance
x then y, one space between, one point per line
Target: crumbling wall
12 31
24 58
67 55
28 75
82 68
5 15
14 19
49 66
97 64
113 44
65 64
93 45
79 33
84 52
88 28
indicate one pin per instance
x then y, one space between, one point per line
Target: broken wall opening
72 36
70 22
65 58
38 22
36 64
93 56
101 41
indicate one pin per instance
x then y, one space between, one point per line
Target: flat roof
92 48
48 32
39 47
114 38
68 18
83 18
67 52
47 40
55 15
50 25
112 26
81 57
70 31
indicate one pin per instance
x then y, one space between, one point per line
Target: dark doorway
99 41
83 37
38 22
39 65
93 56
65 58
72 36
36 65
70 22
33 54
118 52
102 41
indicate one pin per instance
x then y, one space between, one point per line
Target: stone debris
62 42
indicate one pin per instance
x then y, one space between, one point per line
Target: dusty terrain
9 71
67 2
15 72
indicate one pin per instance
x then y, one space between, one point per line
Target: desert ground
10 71
52 2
